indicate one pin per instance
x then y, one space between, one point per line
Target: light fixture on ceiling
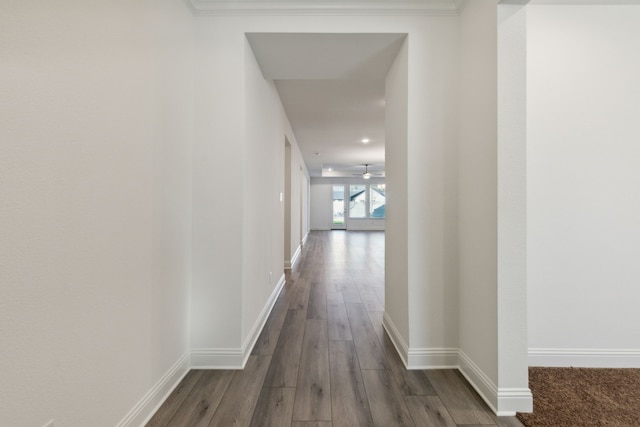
366 174
365 140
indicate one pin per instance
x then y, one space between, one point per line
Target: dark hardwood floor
324 360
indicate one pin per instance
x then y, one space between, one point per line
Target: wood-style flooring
324 360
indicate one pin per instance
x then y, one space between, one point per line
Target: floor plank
317 306
375 318
350 407
388 407
349 292
369 349
313 400
274 407
203 400
461 401
239 402
268 338
410 382
379 291
429 411
311 424
164 414
369 298
506 421
338 322
283 371
300 297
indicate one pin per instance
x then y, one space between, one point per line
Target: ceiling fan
366 174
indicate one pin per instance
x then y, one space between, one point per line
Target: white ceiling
331 117
325 56
332 88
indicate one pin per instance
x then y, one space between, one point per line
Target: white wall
298 196
431 191
321 204
583 170
477 198
264 166
296 203
396 316
513 391
287 204
218 206
96 109
490 215
239 249
421 225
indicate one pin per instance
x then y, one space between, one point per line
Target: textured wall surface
95 103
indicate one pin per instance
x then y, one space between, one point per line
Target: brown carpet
583 397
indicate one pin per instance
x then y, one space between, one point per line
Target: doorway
339 207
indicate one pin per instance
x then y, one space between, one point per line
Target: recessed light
365 140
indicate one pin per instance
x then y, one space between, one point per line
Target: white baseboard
258 325
478 380
584 357
512 400
217 358
236 358
151 401
420 358
288 265
396 338
432 358
502 401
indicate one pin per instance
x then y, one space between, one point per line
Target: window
357 201
367 201
338 205
377 201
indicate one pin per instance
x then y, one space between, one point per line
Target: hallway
323 358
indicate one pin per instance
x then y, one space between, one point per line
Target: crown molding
255 8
